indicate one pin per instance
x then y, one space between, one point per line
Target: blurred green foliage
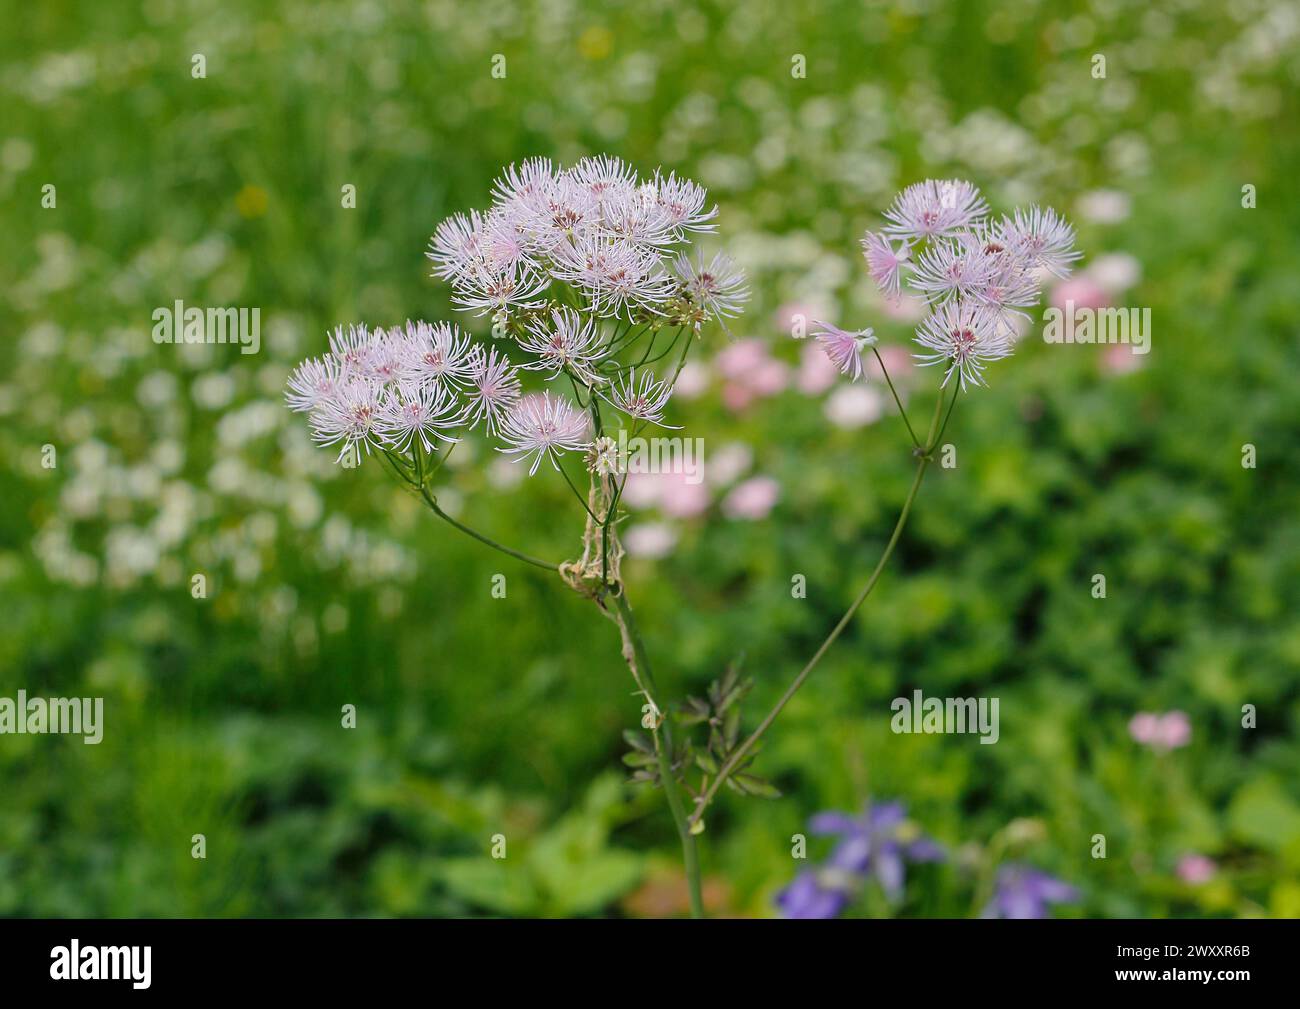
479 716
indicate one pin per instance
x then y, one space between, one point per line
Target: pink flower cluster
596 227
387 388
684 496
976 275
1161 732
576 267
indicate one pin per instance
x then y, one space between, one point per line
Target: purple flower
878 844
1025 892
815 894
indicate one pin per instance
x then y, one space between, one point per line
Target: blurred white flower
1115 271
854 406
651 540
1104 206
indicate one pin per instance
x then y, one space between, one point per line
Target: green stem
885 371
664 750
738 755
418 486
432 502
577 494
939 437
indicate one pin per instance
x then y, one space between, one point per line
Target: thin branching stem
487 540
738 755
939 437
578 494
418 486
916 443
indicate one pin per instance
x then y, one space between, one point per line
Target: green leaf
1263 814
497 885
751 785
638 741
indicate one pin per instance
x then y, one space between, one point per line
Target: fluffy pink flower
844 347
964 337
1041 237
934 208
885 263
540 427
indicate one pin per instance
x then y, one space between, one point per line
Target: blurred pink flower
1082 290
1161 732
641 490
769 379
1196 869
735 396
753 499
796 317
897 359
1119 359
681 498
750 372
908 308
1176 729
673 493
727 464
816 372
738 359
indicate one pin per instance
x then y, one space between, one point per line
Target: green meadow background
479 716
